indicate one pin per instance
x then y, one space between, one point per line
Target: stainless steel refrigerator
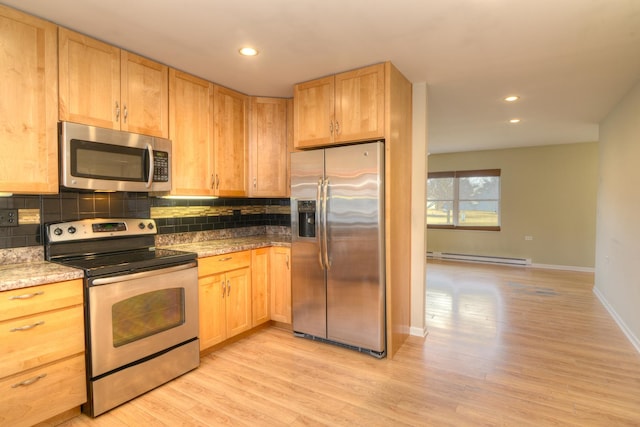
337 246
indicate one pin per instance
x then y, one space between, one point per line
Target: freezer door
355 245
308 288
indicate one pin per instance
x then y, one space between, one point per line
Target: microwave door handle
150 178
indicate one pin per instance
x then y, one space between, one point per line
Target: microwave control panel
160 166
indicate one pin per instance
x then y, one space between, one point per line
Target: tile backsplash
172 216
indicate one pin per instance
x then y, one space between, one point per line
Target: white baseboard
418 332
623 326
565 267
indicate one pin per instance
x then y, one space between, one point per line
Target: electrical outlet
8 217
528 237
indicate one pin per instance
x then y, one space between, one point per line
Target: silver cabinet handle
26 296
213 180
26 327
117 112
125 113
225 259
228 288
29 381
255 183
217 181
337 127
224 289
287 262
331 128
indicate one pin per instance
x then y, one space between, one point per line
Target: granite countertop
222 246
22 270
26 274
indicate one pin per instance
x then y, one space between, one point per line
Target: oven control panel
96 228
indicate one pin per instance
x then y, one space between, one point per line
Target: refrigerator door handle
320 227
325 191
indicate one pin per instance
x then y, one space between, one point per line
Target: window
467 200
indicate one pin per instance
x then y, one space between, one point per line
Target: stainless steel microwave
99 159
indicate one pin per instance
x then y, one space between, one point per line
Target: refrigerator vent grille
376 354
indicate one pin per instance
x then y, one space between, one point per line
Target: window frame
456 198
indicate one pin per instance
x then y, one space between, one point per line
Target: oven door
140 314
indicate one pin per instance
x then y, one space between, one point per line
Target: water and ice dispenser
307 218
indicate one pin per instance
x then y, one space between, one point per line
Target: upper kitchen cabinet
101 85
268 151
347 107
230 142
191 124
28 122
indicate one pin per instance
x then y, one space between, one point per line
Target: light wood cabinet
191 124
347 107
260 281
224 297
102 85
42 332
230 142
28 123
268 151
280 280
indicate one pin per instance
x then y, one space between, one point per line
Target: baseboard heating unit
479 258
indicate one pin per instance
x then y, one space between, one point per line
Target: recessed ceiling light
514 121
248 51
512 98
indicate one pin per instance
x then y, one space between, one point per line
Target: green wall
547 192
618 228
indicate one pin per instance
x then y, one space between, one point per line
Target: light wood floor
507 346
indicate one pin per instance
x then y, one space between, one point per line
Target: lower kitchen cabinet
42 335
260 286
224 296
280 278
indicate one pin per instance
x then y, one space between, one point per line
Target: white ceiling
570 61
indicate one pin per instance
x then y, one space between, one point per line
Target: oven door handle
151 166
150 273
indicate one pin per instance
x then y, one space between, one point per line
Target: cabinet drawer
28 301
221 263
42 393
31 341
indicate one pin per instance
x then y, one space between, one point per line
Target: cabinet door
230 142
29 88
359 104
144 95
313 107
268 147
238 301
191 131
212 310
260 286
89 81
280 265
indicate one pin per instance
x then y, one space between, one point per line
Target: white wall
618 218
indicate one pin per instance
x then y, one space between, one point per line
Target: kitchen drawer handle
26 327
29 381
27 296
225 259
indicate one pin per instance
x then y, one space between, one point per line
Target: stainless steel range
141 306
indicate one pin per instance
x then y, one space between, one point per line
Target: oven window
106 161
147 314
